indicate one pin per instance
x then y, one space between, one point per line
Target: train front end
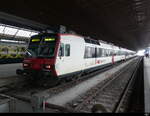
39 62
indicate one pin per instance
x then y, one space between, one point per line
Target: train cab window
61 50
67 50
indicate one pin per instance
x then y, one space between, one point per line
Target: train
51 57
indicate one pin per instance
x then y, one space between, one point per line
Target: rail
125 92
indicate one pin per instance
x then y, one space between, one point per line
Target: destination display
34 40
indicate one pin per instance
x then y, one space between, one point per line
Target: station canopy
16 32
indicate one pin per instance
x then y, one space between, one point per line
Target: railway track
62 87
109 96
122 104
6 83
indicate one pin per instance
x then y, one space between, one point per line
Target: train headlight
47 66
25 65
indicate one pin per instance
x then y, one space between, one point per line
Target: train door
60 60
63 60
68 60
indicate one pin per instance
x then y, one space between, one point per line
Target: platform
147 84
9 70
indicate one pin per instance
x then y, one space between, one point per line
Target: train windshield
42 46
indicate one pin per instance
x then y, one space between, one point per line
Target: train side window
120 52
96 52
106 53
111 52
115 53
61 50
85 53
88 52
87 40
99 52
93 42
67 50
103 53
93 52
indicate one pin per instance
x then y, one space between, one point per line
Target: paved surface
147 84
8 70
74 92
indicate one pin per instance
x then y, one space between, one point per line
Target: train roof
88 39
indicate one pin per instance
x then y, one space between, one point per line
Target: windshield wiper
31 53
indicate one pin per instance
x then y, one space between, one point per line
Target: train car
52 57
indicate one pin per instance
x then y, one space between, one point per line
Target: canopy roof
16 32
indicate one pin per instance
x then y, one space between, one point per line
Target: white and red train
56 56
